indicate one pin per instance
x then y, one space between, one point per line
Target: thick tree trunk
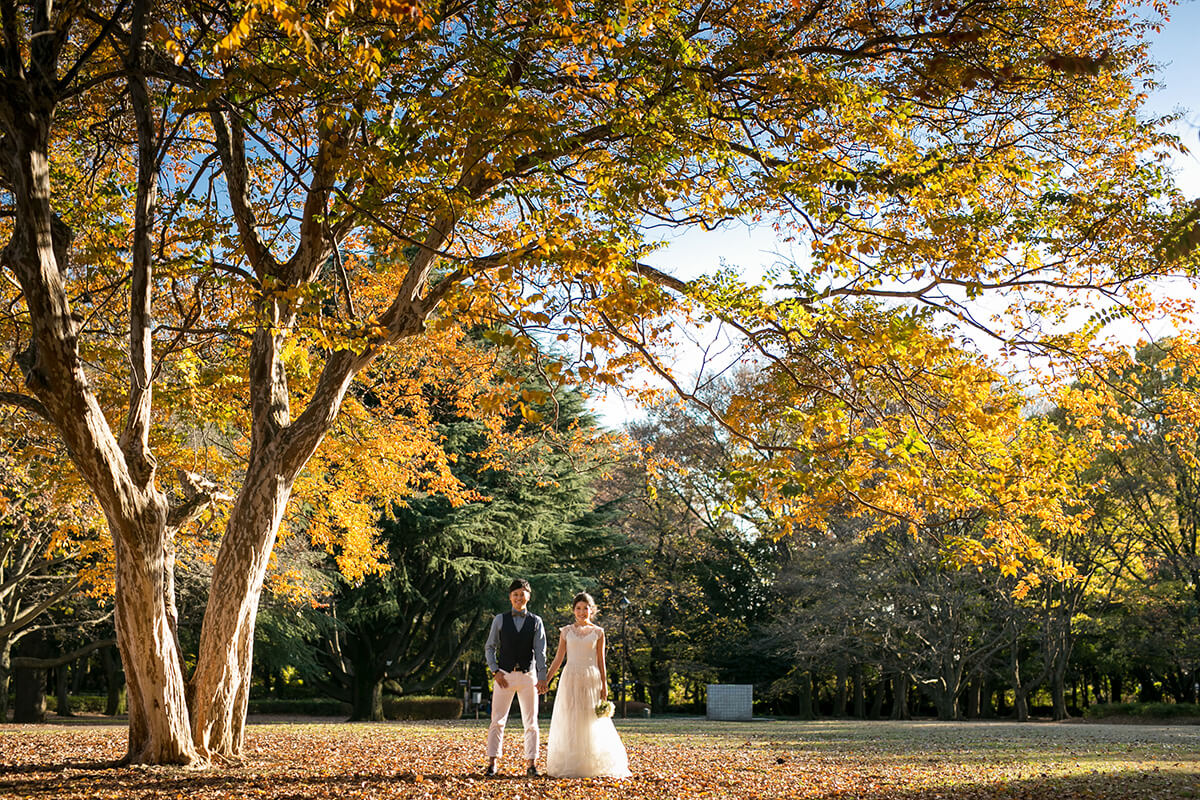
367 703
1021 703
159 729
62 691
30 695
839 693
114 682
877 700
220 687
1058 691
804 700
946 703
900 696
5 672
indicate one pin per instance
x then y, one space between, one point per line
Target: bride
582 744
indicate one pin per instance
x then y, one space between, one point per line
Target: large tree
206 181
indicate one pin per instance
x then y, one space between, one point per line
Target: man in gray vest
516 656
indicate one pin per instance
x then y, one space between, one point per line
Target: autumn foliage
244 235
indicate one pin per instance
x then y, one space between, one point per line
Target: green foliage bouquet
604 709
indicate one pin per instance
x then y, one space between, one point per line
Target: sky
1175 48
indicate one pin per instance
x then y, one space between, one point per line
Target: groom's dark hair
519 583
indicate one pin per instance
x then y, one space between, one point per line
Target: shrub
419 707
304 706
1146 710
85 703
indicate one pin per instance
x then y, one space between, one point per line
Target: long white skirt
583 745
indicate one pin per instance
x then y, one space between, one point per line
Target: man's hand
543 687
501 681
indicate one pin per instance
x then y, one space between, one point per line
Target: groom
516 645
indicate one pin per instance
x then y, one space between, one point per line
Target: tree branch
31 404
28 662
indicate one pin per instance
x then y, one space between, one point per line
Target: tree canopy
236 210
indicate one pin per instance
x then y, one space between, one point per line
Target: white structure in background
730 701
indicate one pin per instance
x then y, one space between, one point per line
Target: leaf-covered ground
669 758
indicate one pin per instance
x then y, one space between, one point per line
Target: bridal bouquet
604 709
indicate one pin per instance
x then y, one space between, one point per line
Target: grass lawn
680 758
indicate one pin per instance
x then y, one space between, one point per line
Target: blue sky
1177 49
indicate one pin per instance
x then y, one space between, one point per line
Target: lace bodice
581 646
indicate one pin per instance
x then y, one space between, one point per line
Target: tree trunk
1059 692
1021 703
159 731
114 682
900 696
660 680
804 700
220 687
839 694
877 700
367 703
987 709
62 690
30 699
1117 688
860 693
122 480
5 672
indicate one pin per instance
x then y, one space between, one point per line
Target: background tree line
864 618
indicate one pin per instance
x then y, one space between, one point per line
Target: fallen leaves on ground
669 758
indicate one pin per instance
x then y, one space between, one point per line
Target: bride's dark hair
584 597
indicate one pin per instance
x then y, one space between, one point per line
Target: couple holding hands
583 741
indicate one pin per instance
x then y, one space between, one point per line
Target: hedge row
85 703
419 707
1156 710
302 706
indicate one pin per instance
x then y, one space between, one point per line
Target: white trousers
524 686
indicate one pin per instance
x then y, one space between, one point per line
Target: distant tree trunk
987 709
877 700
30 695
973 692
900 696
1021 703
944 702
1116 688
860 692
1058 690
62 687
114 682
804 700
367 703
839 693
5 673
660 680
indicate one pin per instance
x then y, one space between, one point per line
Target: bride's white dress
582 745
